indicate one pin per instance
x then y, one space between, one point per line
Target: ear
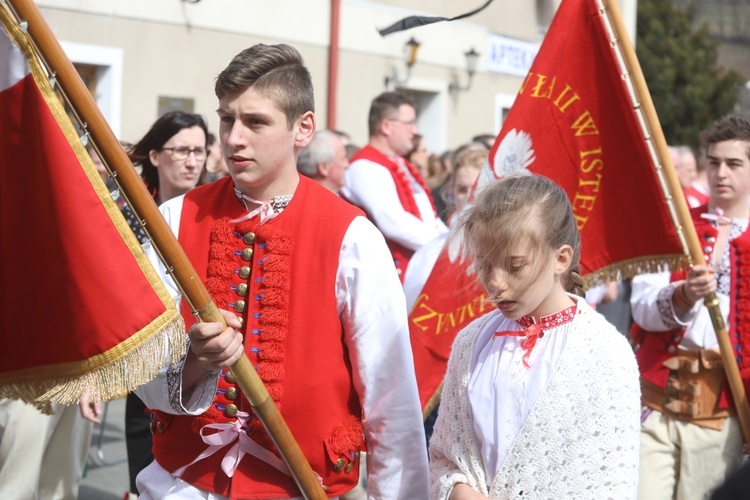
304 130
563 259
385 127
323 170
153 155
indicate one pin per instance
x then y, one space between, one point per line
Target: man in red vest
389 188
308 290
690 435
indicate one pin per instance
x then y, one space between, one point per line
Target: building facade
143 57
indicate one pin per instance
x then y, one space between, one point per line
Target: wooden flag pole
163 239
685 222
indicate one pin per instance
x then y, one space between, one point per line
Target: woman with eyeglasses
172 154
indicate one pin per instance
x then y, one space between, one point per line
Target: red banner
572 121
81 305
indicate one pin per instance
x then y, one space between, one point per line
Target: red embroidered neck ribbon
534 331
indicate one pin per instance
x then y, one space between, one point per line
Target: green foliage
679 63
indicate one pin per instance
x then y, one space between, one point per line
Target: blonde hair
517 207
472 158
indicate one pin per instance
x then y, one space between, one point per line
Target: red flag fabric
81 305
573 122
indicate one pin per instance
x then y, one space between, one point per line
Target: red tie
531 334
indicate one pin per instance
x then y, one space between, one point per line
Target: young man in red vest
389 188
690 436
310 296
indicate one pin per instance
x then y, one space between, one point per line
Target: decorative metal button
160 427
349 467
340 464
231 410
711 239
247 254
241 320
231 393
242 289
239 306
248 238
229 377
244 272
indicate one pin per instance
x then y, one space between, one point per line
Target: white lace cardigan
581 439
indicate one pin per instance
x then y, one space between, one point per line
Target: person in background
685 167
388 188
446 159
172 154
41 456
343 137
436 173
324 160
351 150
486 140
442 192
697 193
418 156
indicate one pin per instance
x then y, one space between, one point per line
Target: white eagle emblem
514 155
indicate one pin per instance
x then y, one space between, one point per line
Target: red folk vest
400 253
280 277
653 348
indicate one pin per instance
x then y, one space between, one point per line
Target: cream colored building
143 57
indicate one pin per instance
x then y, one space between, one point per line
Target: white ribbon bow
717 217
234 432
265 210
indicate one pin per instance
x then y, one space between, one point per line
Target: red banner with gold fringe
82 308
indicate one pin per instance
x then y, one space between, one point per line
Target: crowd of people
316 249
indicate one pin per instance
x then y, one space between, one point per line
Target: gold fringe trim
633 267
109 381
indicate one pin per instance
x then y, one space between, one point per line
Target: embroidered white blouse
502 390
575 435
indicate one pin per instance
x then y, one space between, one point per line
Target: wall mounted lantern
472 56
393 80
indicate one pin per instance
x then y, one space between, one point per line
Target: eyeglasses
182 153
410 123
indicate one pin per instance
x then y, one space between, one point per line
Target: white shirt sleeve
370 186
651 293
372 308
652 308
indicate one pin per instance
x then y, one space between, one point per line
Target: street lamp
410 57
472 56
